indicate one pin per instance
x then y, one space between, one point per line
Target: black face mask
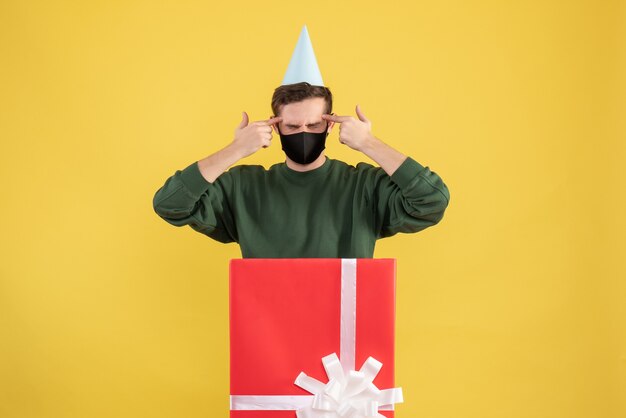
303 147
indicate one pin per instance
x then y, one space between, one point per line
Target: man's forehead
304 111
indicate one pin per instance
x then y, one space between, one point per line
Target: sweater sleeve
187 198
410 200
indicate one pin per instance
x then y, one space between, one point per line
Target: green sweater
334 211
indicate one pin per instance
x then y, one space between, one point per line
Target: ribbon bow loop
351 395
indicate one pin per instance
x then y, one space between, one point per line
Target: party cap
303 65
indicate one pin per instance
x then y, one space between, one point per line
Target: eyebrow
291 125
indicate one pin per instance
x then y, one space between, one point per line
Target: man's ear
330 125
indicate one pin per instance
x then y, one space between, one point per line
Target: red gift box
288 314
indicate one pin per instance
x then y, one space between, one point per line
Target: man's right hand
249 138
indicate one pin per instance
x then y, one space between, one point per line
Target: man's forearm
215 164
385 156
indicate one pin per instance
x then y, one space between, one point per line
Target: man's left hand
355 133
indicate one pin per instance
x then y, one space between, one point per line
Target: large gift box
312 337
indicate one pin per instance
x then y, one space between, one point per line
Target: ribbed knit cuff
193 179
408 170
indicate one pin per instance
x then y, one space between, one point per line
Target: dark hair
297 92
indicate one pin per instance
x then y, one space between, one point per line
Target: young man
309 206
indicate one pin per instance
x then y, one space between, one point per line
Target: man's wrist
234 151
370 145
386 156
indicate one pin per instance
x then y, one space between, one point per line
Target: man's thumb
360 114
244 121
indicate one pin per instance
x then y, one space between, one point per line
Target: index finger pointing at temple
336 118
273 120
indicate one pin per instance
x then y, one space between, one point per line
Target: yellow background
513 306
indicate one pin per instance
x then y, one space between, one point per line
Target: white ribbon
348 393
347 338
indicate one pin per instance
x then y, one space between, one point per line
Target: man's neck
306 167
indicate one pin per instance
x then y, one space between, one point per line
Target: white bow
346 396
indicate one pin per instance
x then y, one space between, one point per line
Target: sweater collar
305 176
